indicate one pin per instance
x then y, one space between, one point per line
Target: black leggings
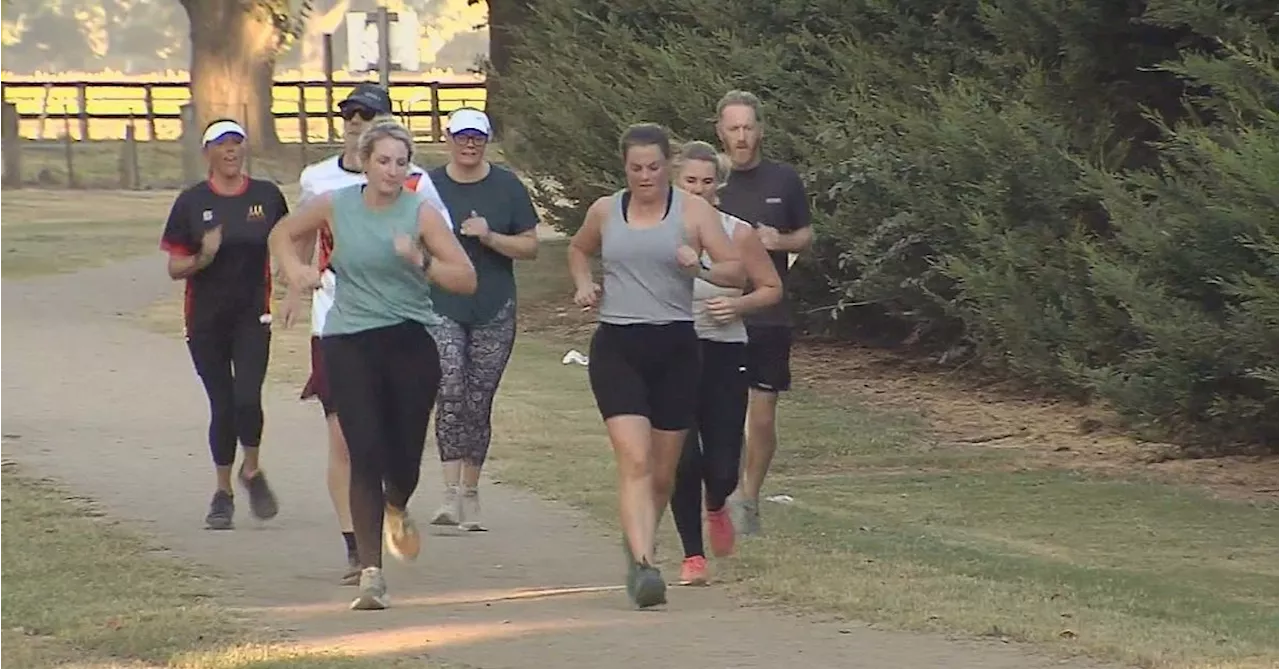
232 363
383 385
713 459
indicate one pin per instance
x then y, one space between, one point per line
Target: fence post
435 112
128 165
190 145
327 41
12 147
303 125
67 142
149 101
82 100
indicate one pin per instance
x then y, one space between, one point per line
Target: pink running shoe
720 532
694 571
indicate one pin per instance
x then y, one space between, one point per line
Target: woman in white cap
477 332
216 238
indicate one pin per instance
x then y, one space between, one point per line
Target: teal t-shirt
504 202
374 286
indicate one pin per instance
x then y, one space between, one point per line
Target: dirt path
117 414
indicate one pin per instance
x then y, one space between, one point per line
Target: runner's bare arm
705 229
450 266
307 243
586 243
766 285
306 221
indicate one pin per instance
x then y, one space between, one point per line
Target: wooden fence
304 110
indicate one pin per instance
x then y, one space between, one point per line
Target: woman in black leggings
216 237
391 249
644 355
713 449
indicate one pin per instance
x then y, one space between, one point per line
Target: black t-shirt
769 194
237 285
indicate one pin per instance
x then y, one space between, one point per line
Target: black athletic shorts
646 370
769 357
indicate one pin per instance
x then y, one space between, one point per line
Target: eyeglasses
470 138
364 113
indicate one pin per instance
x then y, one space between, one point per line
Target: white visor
221 129
469 119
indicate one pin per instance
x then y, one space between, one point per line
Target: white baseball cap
220 129
469 119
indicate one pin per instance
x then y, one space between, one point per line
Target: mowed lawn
888 528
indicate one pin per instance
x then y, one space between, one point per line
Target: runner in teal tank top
392 250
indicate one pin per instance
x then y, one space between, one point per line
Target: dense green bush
1076 193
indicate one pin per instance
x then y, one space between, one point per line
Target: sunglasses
364 113
472 138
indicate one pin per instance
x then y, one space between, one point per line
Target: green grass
890 528
34 250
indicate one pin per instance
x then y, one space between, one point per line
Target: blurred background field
99 107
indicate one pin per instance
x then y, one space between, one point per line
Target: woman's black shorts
646 370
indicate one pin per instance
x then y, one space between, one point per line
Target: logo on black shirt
256 213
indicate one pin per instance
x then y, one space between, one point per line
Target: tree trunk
233 52
503 16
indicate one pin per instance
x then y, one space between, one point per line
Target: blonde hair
743 98
698 150
383 127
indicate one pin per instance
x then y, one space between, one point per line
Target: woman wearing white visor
477 332
216 238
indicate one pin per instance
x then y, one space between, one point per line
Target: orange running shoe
694 571
720 532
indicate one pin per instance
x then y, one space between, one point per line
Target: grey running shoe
746 516
400 534
450 511
470 520
650 589
352 575
373 591
262 502
221 510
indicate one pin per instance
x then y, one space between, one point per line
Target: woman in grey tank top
391 250
713 448
644 354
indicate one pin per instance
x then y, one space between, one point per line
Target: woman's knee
629 436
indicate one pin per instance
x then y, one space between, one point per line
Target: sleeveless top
375 287
643 282
735 331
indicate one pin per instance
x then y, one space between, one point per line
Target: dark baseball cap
370 96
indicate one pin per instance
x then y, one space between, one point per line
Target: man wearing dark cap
358 109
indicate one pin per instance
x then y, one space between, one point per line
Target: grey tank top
735 331
643 282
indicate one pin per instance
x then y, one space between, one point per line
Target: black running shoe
221 511
262 502
650 589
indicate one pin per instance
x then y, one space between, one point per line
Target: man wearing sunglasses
358 110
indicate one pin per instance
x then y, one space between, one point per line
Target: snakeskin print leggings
472 360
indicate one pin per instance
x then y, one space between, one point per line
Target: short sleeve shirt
237 285
504 202
771 194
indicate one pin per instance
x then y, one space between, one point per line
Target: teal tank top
375 287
